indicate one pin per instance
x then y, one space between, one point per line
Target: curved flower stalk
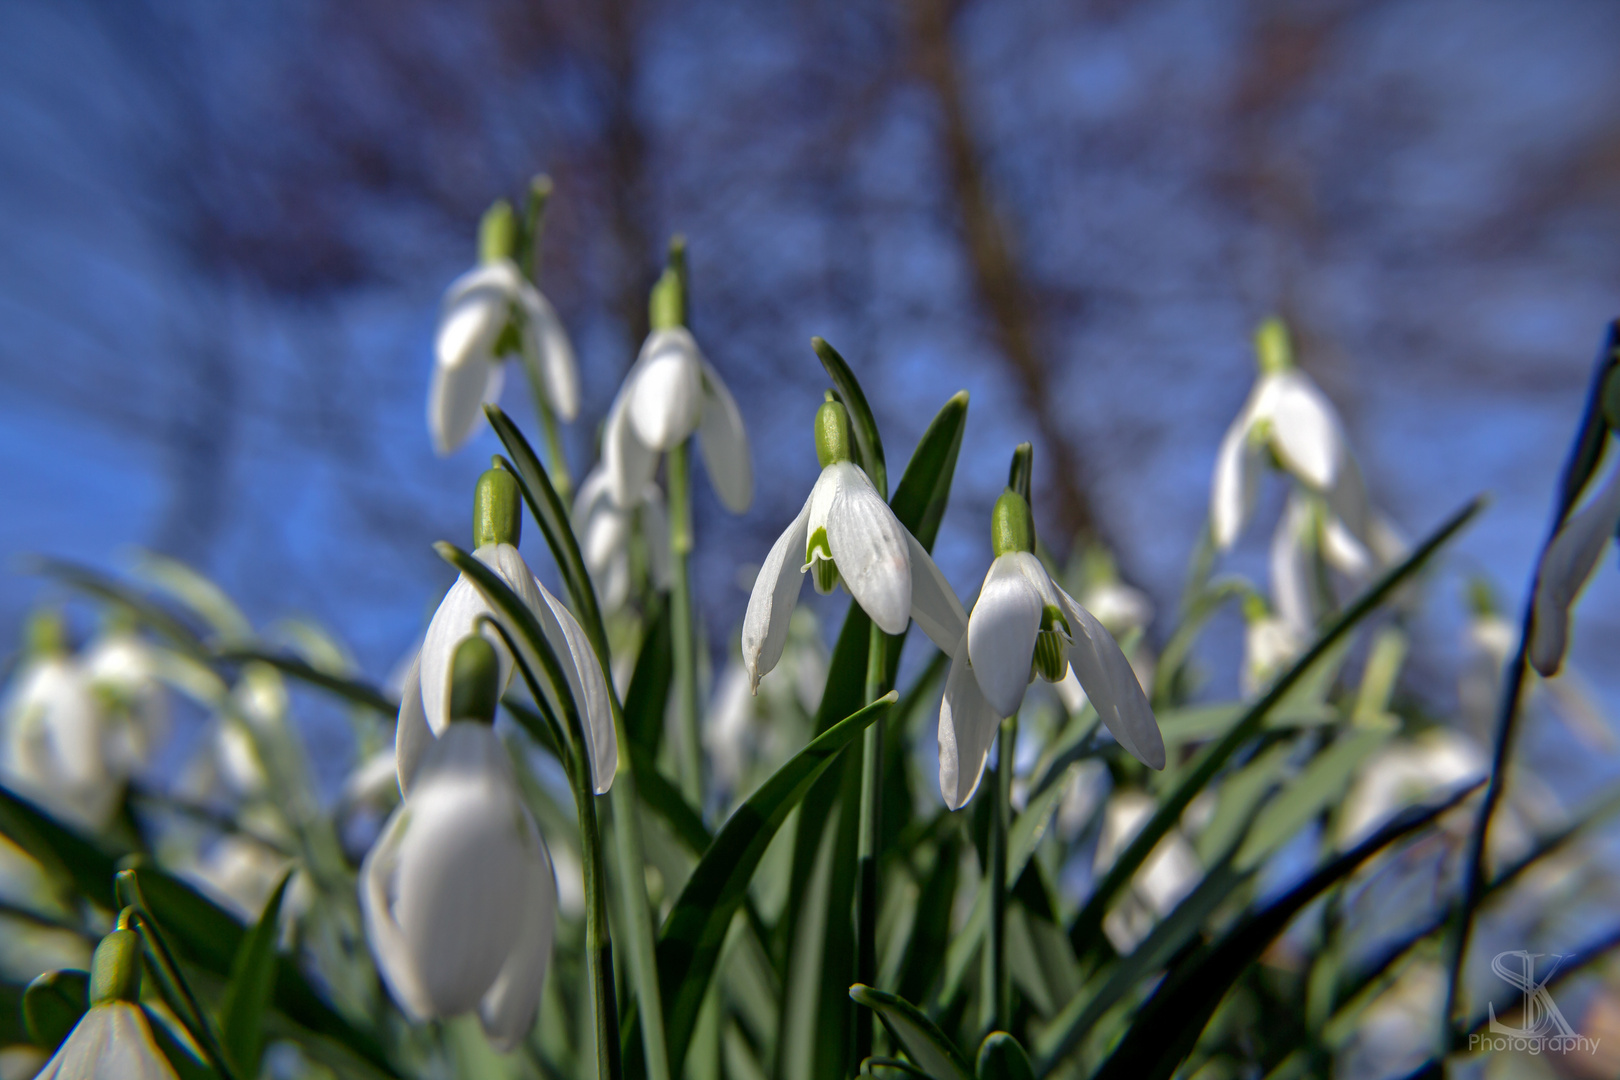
458 894
1566 566
487 314
1287 420
670 393
55 738
114 1037
1024 625
424 711
846 535
606 530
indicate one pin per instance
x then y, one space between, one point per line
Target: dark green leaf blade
925 487
60 849
253 977
354 690
867 440
53 1004
924 1043
690 941
1002 1058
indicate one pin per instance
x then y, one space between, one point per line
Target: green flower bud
822 568
1011 528
497 233
497 509
115 970
667 305
1272 347
474 680
834 442
1051 660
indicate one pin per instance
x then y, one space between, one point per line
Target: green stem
637 916
689 746
996 877
870 843
561 480
598 940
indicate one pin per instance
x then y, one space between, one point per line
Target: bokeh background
224 230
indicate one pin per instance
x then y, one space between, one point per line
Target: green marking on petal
1051 660
822 568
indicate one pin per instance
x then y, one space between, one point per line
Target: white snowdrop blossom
605 532
458 894
1565 568
1405 772
123 673
846 534
670 392
1270 643
1287 419
1024 625
478 310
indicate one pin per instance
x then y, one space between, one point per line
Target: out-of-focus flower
846 534
1286 419
1565 568
114 1037
1405 772
606 530
1270 644
124 674
1024 625
671 392
55 739
458 894
1169 873
488 313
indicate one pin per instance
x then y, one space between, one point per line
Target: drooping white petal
1305 429
378 891
665 389
587 685
412 735
1001 631
458 615
1293 592
111 1040
460 889
869 545
629 462
934 606
770 603
477 308
1235 485
548 352
1111 685
1565 568
604 536
508 1009
724 443
1347 499
967 727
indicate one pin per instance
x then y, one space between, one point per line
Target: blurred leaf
1200 608
198 593
1378 677
253 976
648 695
868 443
1002 1058
1167 1026
72 858
924 490
1195 723
696 927
185 1064
1238 797
144 609
1319 785
931 928
1086 931
53 1004
12 1029
924 1043
350 689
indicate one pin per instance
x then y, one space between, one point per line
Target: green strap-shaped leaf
52 1006
71 858
696 927
1319 785
925 1044
1166 1028
868 443
185 1064
253 978
146 611
648 693
925 487
931 928
354 690
1002 1058
1086 930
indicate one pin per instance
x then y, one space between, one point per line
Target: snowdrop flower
1168 874
424 711
1566 566
606 530
671 392
54 747
1270 643
1287 419
1405 772
122 671
114 1037
458 894
846 534
1024 625
487 313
